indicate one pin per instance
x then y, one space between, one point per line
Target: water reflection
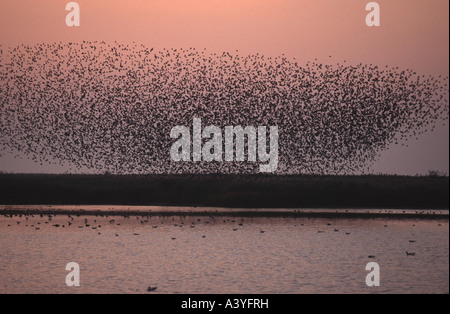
193 254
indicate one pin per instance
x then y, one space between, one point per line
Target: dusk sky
413 35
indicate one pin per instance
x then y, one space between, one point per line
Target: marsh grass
254 191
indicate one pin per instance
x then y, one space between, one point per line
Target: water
264 255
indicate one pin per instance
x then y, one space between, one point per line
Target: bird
410 254
121 100
151 289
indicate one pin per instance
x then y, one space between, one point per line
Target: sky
414 34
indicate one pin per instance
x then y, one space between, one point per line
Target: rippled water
290 256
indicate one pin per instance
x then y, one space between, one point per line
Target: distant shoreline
229 191
16 210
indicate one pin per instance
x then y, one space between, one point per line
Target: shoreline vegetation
222 212
250 193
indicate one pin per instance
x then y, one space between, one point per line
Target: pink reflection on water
132 253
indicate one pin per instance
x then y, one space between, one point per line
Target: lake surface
214 254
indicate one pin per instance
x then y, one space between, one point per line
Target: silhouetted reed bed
228 191
228 213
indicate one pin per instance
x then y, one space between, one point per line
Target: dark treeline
246 191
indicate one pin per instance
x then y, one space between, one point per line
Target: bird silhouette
109 107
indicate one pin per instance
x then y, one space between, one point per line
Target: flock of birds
74 220
110 107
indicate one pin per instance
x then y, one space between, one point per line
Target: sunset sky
413 34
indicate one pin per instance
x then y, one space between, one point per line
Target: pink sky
413 34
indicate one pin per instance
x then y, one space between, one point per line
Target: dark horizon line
438 174
247 213
229 191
